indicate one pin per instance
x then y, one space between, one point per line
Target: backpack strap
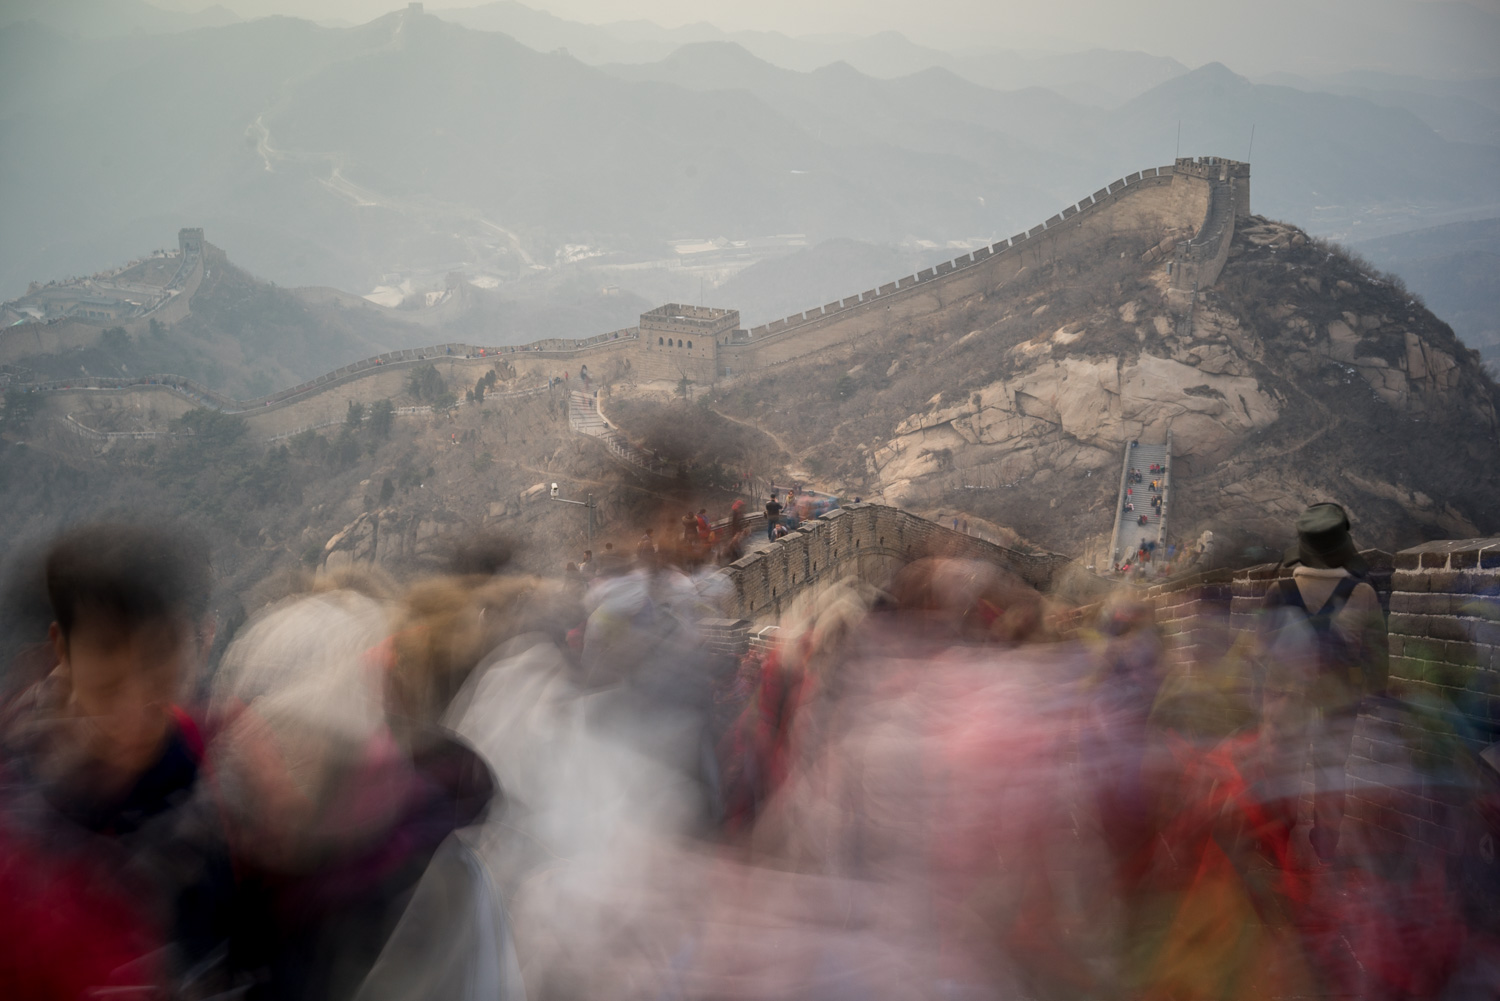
1340 595
1284 593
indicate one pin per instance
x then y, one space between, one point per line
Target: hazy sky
1194 31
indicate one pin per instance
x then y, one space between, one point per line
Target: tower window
679 342
690 343
658 342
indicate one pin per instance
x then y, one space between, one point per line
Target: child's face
122 684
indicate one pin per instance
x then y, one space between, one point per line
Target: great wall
1187 209
1442 599
1444 623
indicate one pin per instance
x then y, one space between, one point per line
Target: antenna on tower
1252 143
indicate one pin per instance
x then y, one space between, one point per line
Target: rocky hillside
1299 377
403 498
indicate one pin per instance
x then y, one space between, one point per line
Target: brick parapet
869 542
1016 246
1444 631
727 637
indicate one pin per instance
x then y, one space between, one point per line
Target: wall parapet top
1452 554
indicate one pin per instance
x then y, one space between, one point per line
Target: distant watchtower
680 341
1234 173
190 241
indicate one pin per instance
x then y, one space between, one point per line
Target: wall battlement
706 345
1413 744
1192 206
867 541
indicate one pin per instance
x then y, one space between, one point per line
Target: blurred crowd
483 784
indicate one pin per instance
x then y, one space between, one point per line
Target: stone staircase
584 418
1132 535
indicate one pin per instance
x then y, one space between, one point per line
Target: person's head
1323 540
588 555
130 623
299 711
703 510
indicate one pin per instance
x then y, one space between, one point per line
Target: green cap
1323 540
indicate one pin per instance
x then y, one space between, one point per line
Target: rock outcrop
1300 377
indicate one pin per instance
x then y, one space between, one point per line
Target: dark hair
486 555
129 574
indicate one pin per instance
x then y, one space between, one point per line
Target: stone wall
325 399
1200 261
867 541
1147 204
160 402
1412 765
1411 751
24 340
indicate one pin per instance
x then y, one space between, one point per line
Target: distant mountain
1099 77
415 146
111 18
1105 78
934 111
330 156
1338 163
831 270
1466 111
1456 270
544 32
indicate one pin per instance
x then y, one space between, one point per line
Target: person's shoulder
1364 595
1280 591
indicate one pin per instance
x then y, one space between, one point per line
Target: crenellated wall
1413 768
867 541
1204 196
23 340
1199 261
1149 203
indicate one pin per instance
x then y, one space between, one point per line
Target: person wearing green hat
1328 653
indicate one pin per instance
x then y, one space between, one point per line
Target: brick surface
1410 625
1403 580
1447 627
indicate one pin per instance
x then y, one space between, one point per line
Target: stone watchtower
190 241
678 341
1198 261
1231 174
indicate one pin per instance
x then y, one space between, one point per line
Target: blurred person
607 772
761 746
773 518
340 799
736 518
98 759
1327 624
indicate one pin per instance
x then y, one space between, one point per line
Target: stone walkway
584 418
1133 535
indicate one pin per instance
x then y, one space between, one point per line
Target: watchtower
1234 173
678 341
190 241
